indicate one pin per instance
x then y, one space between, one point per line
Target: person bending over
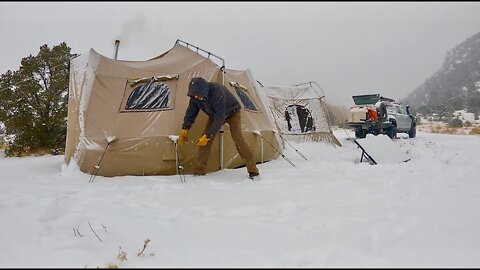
221 107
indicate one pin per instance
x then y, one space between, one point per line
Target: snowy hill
455 85
329 211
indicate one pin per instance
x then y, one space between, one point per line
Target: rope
296 150
284 157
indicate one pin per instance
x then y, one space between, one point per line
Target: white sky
347 47
329 211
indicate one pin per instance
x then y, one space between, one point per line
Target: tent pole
324 104
221 147
207 52
176 156
222 69
256 132
261 143
329 122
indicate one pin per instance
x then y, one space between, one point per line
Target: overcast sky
348 48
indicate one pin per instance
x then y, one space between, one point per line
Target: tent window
299 119
244 97
149 96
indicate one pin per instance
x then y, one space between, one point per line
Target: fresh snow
329 211
466 116
382 149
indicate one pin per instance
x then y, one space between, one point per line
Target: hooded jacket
217 102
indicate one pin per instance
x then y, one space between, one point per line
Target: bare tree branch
94 232
145 243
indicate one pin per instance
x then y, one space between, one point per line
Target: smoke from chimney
144 36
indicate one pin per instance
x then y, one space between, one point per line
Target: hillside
455 86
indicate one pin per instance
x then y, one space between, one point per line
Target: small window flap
242 93
161 78
149 93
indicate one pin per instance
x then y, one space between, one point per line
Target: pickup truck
375 114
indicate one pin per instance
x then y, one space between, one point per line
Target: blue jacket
217 102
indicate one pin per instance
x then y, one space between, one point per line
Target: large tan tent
124 116
300 112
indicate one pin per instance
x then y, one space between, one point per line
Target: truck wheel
360 133
413 131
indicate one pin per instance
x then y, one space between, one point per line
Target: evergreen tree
34 101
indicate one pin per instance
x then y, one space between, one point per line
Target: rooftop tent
127 115
300 112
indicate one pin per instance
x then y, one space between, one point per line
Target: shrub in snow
455 122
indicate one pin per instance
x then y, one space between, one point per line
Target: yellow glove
183 136
202 141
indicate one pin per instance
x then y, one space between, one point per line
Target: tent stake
178 167
96 168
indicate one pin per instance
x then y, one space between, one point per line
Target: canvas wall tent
300 112
139 107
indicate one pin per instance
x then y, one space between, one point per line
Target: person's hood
198 87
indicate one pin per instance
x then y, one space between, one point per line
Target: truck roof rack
386 99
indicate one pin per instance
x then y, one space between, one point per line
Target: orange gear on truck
372 114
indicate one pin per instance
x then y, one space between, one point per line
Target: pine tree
34 101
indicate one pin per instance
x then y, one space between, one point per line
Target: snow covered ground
470 125
329 211
466 116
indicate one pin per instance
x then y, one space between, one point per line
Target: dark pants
235 123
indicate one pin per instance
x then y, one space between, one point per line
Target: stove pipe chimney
117 44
